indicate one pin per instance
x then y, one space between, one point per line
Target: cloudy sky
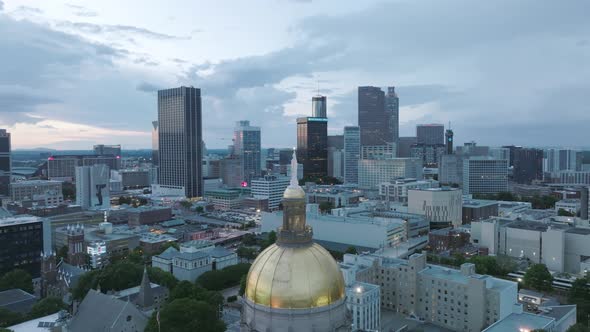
76 73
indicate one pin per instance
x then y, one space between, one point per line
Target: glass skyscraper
378 115
319 108
5 162
180 137
312 146
247 149
352 153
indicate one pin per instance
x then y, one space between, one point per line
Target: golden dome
295 277
294 192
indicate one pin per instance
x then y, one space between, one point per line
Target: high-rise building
512 149
22 242
180 138
63 167
404 146
430 134
50 192
155 143
5 162
336 141
560 160
230 170
107 150
247 149
352 153
374 121
484 175
392 107
270 187
92 187
449 141
336 163
294 284
312 146
319 108
372 172
500 153
528 165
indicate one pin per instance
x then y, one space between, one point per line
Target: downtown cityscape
284 166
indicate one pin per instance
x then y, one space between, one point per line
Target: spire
145 298
294 182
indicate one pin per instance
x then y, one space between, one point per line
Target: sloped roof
101 312
17 300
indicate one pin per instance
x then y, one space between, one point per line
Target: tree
249 239
199 209
9 318
565 213
326 206
221 279
186 204
579 327
62 253
246 253
68 190
538 277
270 240
47 306
243 282
187 315
162 277
167 245
17 278
351 250
579 295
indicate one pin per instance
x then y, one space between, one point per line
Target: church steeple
145 298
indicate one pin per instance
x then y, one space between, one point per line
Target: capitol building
295 284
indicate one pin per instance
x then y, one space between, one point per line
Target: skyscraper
373 119
179 140
485 175
319 108
560 160
392 107
155 143
5 162
312 146
449 141
528 165
247 149
107 150
430 134
92 187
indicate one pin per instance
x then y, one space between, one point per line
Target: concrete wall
554 249
523 242
576 245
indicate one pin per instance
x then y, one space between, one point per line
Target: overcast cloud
502 72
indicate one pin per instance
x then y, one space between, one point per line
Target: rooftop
521 322
579 230
35 182
475 203
19 220
41 324
17 300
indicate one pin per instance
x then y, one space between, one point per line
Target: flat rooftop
19 220
579 230
475 203
520 322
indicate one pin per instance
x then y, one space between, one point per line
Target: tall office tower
63 167
312 146
230 170
373 119
179 140
336 163
92 187
319 108
285 156
336 141
500 153
484 175
270 187
247 149
107 150
449 141
430 134
392 107
155 143
560 160
352 153
528 165
512 149
5 163
404 146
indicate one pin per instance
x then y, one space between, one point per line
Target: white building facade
270 187
93 187
397 191
441 206
372 172
49 191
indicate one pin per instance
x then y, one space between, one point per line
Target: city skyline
94 78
